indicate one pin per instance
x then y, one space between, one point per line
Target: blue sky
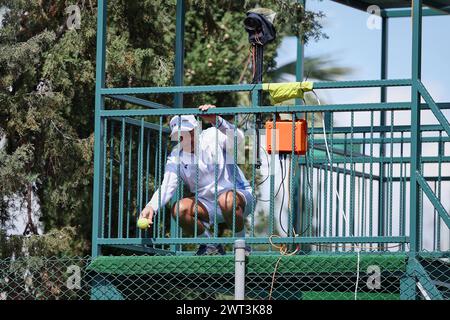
352 44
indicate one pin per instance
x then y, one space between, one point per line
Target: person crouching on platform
185 126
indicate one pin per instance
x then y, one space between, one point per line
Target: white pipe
239 259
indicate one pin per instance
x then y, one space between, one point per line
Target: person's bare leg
187 216
226 200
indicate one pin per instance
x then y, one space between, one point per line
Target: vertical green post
383 98
122 179
111 172
299 73
97 207
409 291
179 50
415 125
140 174
129 188
178 80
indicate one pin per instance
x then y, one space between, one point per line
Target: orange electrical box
283 136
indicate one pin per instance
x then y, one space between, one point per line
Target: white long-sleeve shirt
206 166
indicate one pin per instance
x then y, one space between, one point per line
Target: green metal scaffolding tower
377 213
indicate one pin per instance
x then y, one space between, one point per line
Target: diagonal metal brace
138 101
424 279
434 108
434 200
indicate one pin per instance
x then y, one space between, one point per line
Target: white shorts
210 205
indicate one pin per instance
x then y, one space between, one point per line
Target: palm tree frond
319 68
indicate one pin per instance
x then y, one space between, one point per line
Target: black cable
310 187
283 174
268 168
282 199
279 187
307 174
244 120
307 75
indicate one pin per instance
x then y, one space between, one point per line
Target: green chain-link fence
301 277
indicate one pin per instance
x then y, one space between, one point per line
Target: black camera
259 25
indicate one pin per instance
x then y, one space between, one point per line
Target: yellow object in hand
143 223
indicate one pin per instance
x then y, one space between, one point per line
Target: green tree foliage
217 48
55 243
47 85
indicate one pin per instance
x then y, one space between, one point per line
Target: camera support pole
260 28
259 54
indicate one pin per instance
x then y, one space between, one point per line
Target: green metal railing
338 198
